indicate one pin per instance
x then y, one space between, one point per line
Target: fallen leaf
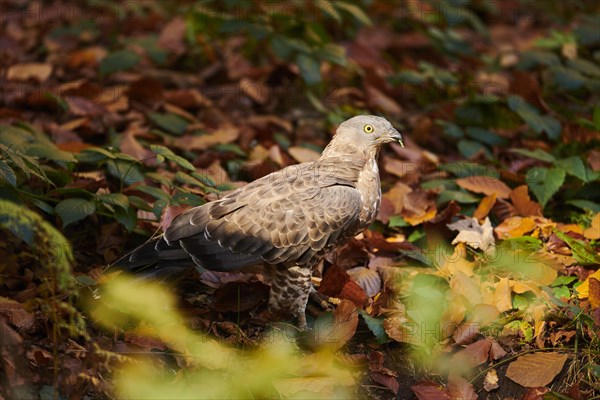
172 37
389 381
202 142
429 390
496 351
257 91
303 154
593 232
474 235
465 333
418 207
515 227
486 185
23 72
460 389
594 292
535 393
524 206
536 370
377 99
490 382
473 355
399 329
337 283
367 279
335 333
310 387
502 295
485 206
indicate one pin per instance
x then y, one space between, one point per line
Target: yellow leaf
460 283
593 232
583 290
515 227
502 298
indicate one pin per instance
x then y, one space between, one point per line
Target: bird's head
366 132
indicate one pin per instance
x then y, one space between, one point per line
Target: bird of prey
287 220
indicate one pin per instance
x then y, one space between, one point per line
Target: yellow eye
368 128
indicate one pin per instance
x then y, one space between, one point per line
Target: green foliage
296 34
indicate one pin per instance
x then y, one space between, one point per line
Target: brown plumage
288 219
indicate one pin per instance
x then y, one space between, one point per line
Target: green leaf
118 61
117 199
468 148
574 166
537 154
94 155
582 251
188 198
585 204
397 221
126 217
73 210
154 192
171 123
309 68
49 151
544 182
162 150
585 67
7 174
532 117
458 196
169 155
465 169
128 172
485 136
375 325
563 280
355 11
567 78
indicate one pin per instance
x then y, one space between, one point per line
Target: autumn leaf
474 235
593 232
515 227
524 206
23 72
536 370
484 207
486 185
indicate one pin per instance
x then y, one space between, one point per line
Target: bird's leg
290 287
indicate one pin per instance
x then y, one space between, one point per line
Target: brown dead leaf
465 333
389 381
473 355
88 57
257 91
474 235
419 207
202 142
524 206
536 370
146 90
496 351
23 72
593 159
486 185
593 232
303 154
397 329
16 314
490 382
594 292
484 207
535 393
460 388
131 146
368 279
379 100
172 37
502 295
429 390
343 327
514 227
337 283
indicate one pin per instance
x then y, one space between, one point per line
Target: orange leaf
593 232
594 295
536 370
486 185
502 295
523 204
514 227
484 207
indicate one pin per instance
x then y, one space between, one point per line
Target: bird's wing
288 216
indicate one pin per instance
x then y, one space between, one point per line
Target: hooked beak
395 135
